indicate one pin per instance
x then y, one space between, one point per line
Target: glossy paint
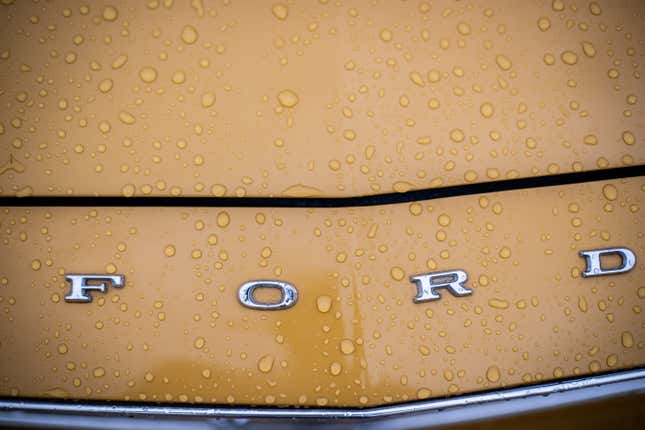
315 97
176 331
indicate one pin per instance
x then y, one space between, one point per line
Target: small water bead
110 13
128 190
544 23
119 61
595 9
463 28
200 342
423 393
347 346
457 135
493 374
397 273
223 219
265 364
323 303
588 49
386 35
444 220
208 99
127 118
590 139
487 110
434 76
610 192
498 303
569 57
148 74
335 368
549 59
105 85
288 98
503 62
627 339
280 11
169 251
189 35
417 79
628 138
178 77
416 209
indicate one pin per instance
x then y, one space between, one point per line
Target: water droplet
189 35
590 139
127 118
148 74
335 368
265 364
200 342
463 28
169 251
503 62
423 393
397 273
223 219
628 138
110 13
128 190
487 110
569 57
443 220
347 346
498 303
595 9
588 49
457 135
544 23
288 98
280 11
386 35
610 192
627 339
208 99
493 374
434 76
105 85
416 209
417 79
349 134
323 303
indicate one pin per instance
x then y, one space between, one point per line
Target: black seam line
329 202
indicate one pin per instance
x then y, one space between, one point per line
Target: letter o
288 291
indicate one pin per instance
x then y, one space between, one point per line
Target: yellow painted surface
301 98
176 331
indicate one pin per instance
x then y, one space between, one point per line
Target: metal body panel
313 98
176 332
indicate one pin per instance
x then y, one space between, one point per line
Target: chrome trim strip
625 382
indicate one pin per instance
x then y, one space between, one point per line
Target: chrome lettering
427 283
594 266
78 292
